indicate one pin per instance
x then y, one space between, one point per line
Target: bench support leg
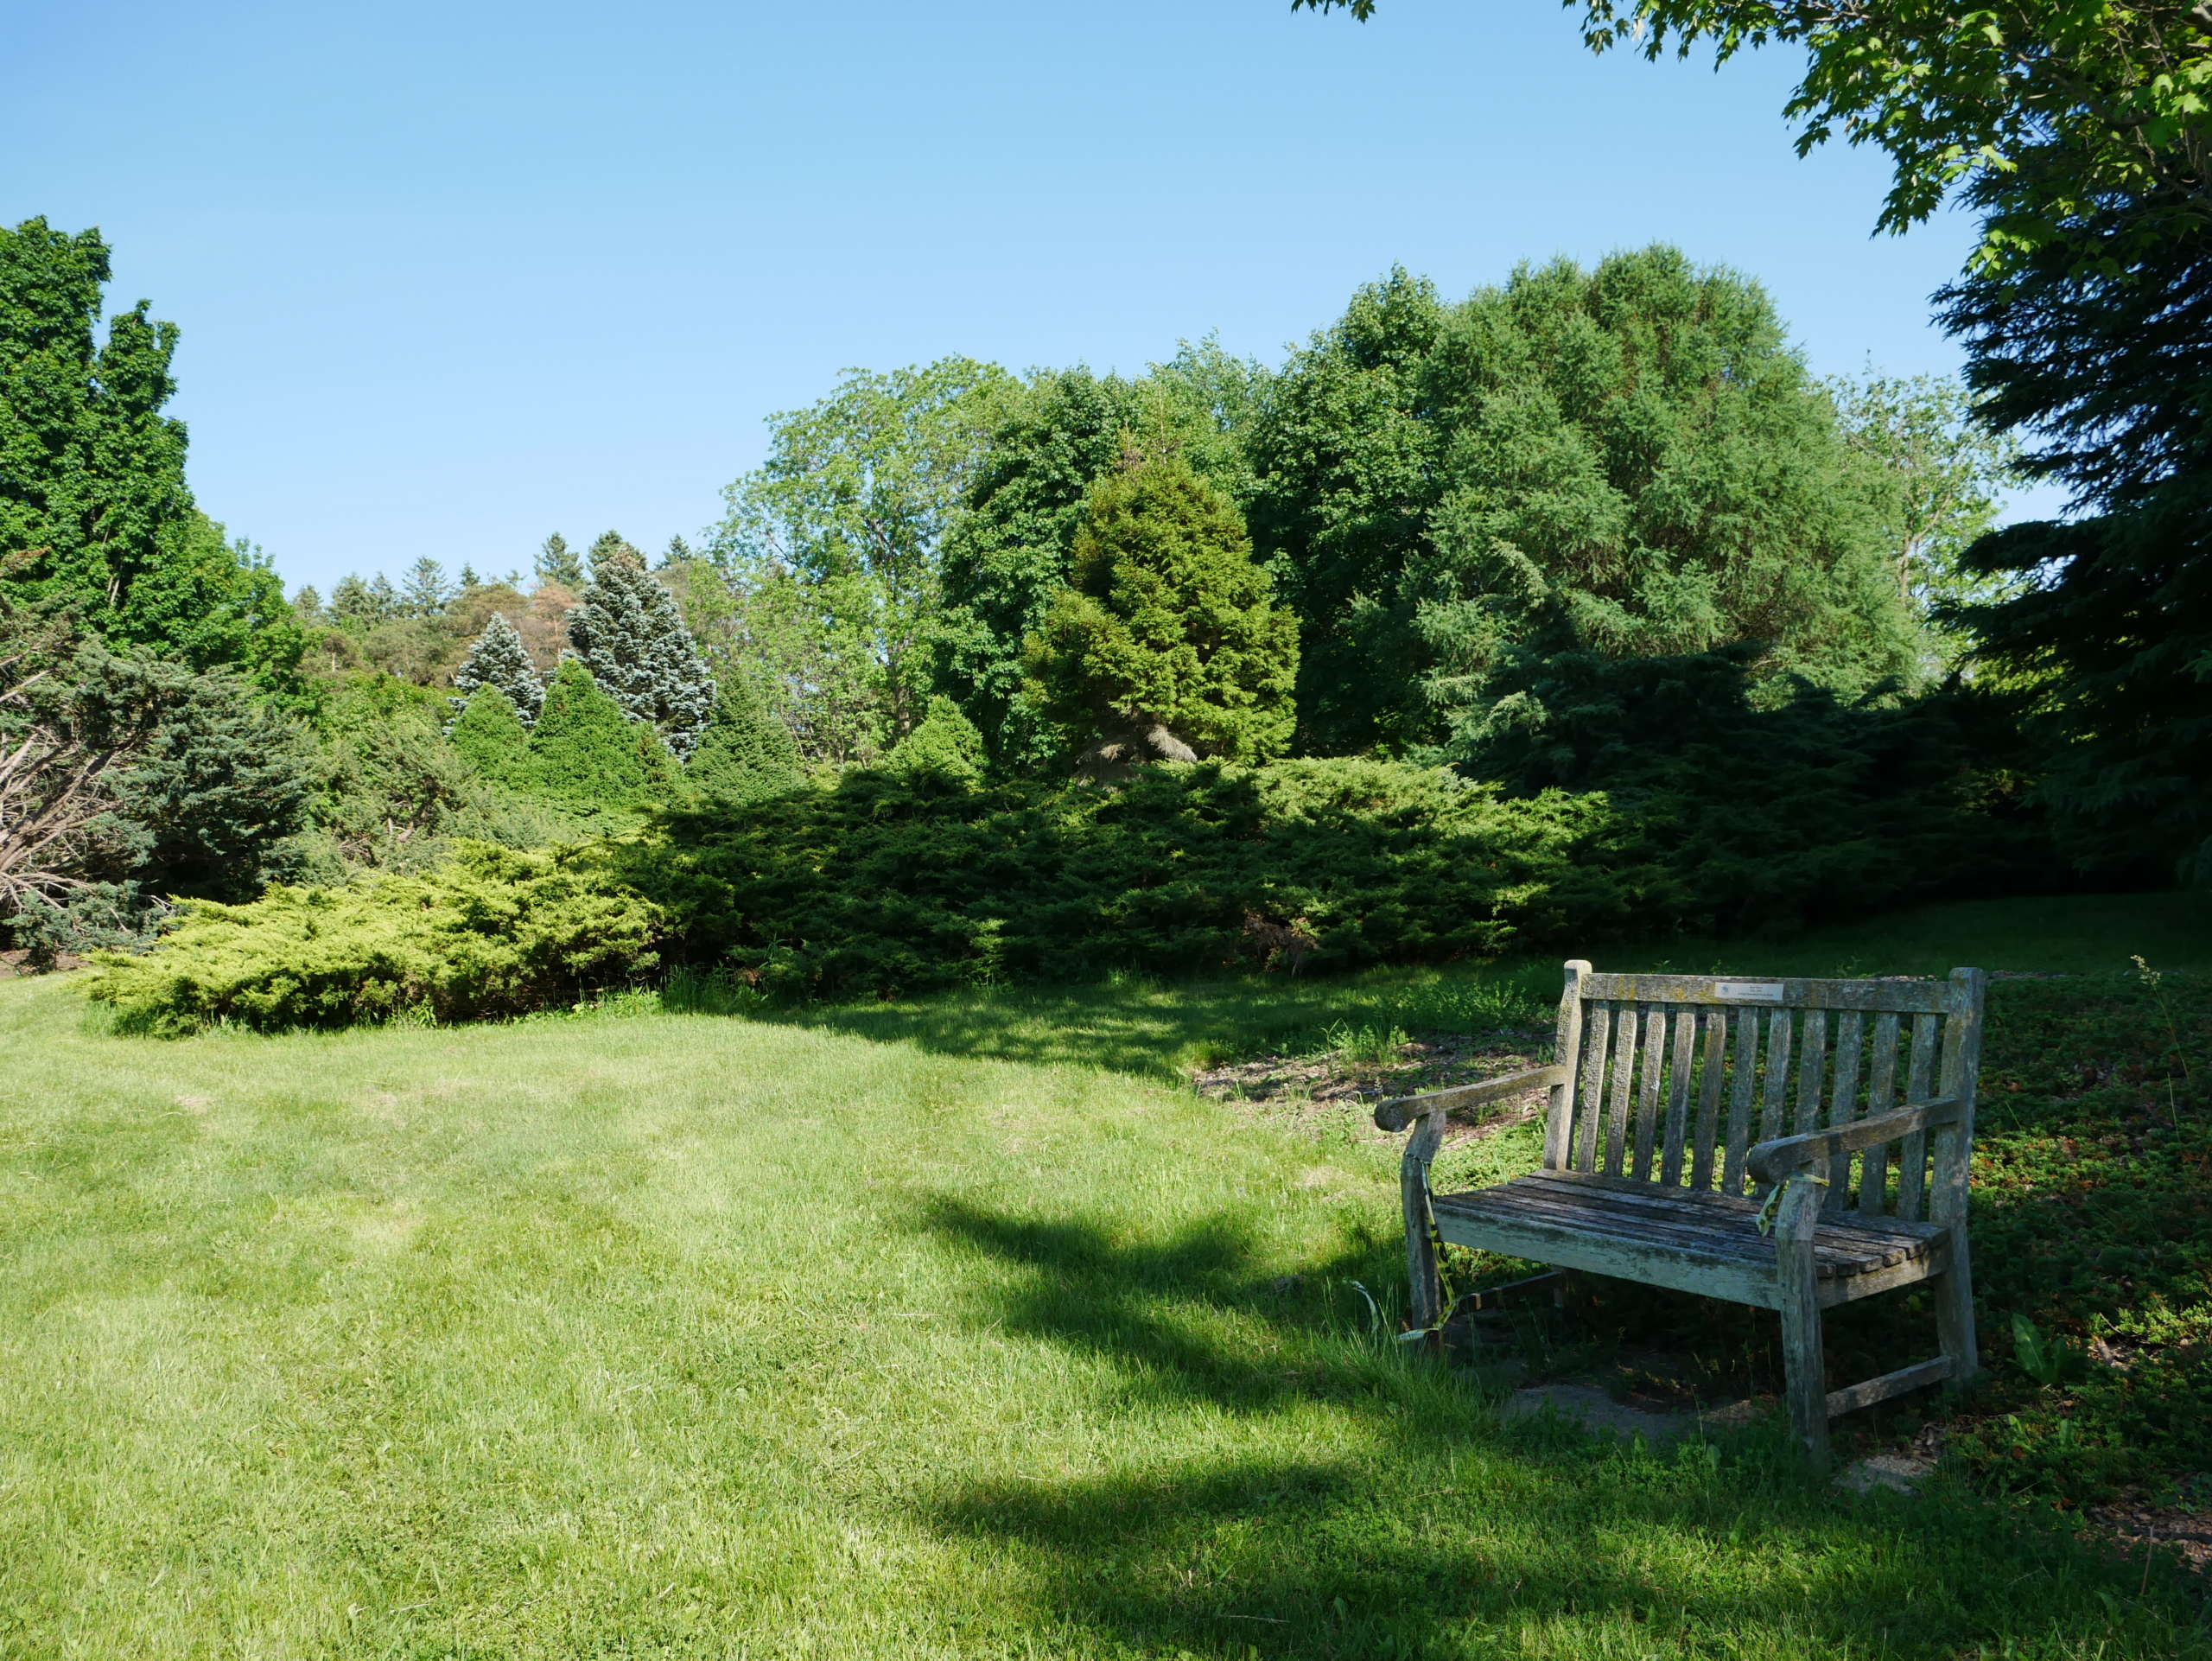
1803 1364
1953 1291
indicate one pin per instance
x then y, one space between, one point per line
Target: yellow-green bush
491 932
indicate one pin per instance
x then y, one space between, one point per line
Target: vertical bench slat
1744 1077
1912 1156
1812 1069
1843 1099
1654 1045
1708 1096
1881 1097
1779 1030
1678 1099
1597 1027
1622 1083
1566 1044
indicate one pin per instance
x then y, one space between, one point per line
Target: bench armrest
1770 1161
1401 1110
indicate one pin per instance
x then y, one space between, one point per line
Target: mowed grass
701 1336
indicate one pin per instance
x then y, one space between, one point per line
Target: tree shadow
1421 1524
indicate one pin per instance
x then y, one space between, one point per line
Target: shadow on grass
1418 1524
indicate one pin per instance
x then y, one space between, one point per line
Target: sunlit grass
920 1331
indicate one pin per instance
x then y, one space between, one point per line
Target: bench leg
1804 1366
1953 1291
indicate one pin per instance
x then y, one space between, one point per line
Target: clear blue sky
451 277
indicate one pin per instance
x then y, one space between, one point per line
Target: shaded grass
688 1336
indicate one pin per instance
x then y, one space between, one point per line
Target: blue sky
451 277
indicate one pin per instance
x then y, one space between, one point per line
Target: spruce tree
585 756
630 635
425 592
746 754
557 563
500 658
1167 644
490 736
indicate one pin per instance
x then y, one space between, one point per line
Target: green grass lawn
944 1330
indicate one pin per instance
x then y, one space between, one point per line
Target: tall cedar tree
1166 644
92 474
2108 362
500 658
630 635
586 755
746 754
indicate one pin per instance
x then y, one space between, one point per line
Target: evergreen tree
468 579
611 546
630 635
557 563
490 736
426 590
1166 644
384 603
746 754
92 473
677 552
943 742
500 658
2099 347
586 755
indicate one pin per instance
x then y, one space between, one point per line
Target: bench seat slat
1710 1226
1911 997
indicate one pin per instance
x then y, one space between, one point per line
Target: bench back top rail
1676 1077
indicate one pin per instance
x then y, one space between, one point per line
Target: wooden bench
1861 1097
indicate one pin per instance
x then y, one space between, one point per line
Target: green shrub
491 932
943 741
888 884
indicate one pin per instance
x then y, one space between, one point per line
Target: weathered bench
1863 1097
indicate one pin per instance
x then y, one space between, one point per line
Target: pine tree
584 755
678 551
468 579
500 658
631 637
746 754
557 563
384 603
1167 645
945 742
426 590
490 736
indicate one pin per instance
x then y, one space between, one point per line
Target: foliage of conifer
945 742
1168 642
586 755
627 631
557 563
489 735
746 754
500 658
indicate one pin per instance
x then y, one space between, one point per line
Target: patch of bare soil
13 963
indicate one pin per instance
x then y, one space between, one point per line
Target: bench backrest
1676 1077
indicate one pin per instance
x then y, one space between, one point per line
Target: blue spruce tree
498 658
629 634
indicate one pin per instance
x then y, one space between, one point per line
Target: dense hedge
891 882
491 932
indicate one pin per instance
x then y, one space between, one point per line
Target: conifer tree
500 658
585 756
945 742
490 736
746 754
426 590
611 546
1167 644
630 635
557 563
